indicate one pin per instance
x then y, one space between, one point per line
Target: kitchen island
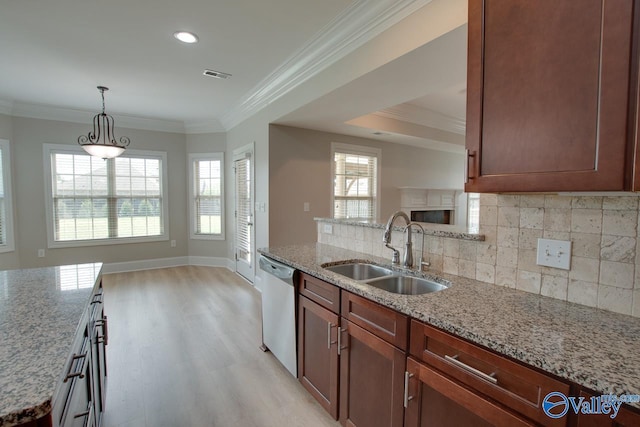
42 312
592 348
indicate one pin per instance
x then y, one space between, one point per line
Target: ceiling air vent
216 74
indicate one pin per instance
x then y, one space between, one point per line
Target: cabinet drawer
512 384
319 291
383 322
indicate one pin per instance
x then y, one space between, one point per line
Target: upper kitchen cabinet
551 95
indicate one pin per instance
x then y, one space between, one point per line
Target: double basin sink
386 279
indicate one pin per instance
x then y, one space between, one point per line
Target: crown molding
425 117
206 126
355 26
47 112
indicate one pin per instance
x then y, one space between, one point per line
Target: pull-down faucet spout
386 237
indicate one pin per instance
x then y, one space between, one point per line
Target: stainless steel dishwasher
279 312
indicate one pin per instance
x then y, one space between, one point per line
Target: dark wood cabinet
551 95
625 418
318 330
435 400
371 379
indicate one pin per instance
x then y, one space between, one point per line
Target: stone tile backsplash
605 259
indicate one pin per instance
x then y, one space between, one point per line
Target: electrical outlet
554 253
173 243
327 228
40 253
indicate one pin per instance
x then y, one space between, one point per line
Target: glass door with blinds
245 236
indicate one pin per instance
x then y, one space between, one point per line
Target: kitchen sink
360 271
386 279
406 285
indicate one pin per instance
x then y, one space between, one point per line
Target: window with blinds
113 200
207 195
6 207
355 182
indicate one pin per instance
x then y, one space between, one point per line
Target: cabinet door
435 400
625 418
371 379
548 91
318 353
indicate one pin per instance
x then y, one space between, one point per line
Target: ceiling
55 53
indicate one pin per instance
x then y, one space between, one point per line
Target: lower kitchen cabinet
371 379
625 417
433 399
318 353
81 396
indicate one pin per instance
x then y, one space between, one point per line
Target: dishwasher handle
281 271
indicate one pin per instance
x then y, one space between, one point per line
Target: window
95 201
206 173
6 205
355 181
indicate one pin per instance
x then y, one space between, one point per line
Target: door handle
407 398
468 155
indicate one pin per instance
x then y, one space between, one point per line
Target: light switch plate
554 253
306 207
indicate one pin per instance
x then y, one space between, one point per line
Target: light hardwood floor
183 351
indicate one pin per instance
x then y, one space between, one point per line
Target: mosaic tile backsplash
605 256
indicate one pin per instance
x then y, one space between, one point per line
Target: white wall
300 171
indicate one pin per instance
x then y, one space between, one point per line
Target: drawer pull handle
80 373
488 377
407 398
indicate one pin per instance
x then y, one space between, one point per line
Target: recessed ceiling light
185 37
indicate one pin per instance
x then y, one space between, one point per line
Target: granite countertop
595 348
440 230
40 311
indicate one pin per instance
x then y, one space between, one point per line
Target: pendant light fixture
101 142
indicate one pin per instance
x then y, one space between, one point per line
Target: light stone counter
40 311
597 349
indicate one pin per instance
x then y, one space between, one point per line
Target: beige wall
28 137
210 143
300 171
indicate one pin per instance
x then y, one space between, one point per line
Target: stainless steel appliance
278 312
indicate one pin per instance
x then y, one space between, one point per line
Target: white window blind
243 209
355 185
6 207
95 199
207 205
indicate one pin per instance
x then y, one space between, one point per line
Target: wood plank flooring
183 351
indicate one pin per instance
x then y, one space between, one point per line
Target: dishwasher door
278 312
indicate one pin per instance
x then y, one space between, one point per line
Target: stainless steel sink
406 285
360 271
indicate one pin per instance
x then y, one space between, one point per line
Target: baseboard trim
151 264
212 262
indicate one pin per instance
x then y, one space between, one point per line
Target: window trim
10 244
48 149
362 150
192 158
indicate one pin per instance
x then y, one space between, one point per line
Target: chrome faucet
386 239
